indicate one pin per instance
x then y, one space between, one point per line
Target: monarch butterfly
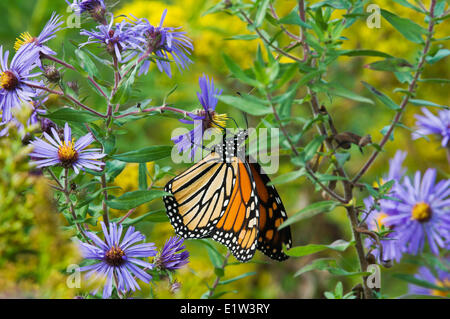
226 197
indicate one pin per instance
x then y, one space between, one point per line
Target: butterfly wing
238 227
199 196
271 215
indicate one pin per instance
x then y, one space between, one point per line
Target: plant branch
351 212
216 282
269 43
160 109
69 66
68 97
404 103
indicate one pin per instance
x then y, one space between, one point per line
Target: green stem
216 282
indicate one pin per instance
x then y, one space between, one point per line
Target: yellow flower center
219 121
213 120
24 38
421 212
114 256
444 284
8 80
380 218
67 154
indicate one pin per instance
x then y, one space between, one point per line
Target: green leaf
426 103
261 13
409 5
158 216
317 264
288 177
363 53
146 154
86 62
442 53
300 251
391 64
293 18
245 37
113 169
71 115
214 255
345 93
310 211
134 199
239 73
409 29
228 281
312 147
123 92
386 100
143 176
246 104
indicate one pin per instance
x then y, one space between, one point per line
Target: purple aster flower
163 41
66 153
96 8
172 256
432 124
439 278
118 258
392 250
117 37
32 120
48 33
423 212
15 83
203 119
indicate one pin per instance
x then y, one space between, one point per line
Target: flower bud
52 74
387 263
371 259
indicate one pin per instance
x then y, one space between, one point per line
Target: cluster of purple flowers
139 39
123 260
418 212
17 80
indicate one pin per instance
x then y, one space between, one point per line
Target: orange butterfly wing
271 215
238 227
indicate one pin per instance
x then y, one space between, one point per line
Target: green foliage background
34 247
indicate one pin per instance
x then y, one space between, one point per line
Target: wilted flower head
15 79
422 212
440 278
432 124
172 256
162 42
203 119
118 258
48 33
66 153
